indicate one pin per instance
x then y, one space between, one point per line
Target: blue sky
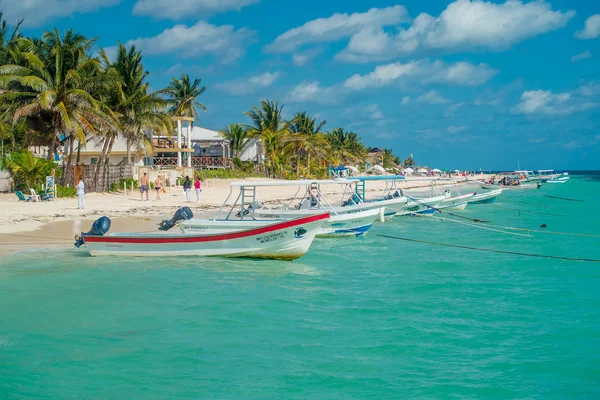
463 84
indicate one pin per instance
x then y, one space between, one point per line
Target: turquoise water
353 319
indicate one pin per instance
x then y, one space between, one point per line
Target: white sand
16 216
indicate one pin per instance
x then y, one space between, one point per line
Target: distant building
204 148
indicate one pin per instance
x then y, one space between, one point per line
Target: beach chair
22 197
47 195
34 196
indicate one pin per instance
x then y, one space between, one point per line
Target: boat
550 176
246 212
513 181
281 240
392 196
489 186
453 202
486 197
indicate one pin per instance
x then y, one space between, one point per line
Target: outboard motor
99 228
183 213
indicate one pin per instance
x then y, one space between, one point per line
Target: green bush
65 191
18 163
116 187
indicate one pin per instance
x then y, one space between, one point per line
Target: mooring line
440 210
489 250
563 198
530 212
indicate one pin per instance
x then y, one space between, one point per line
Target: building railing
202 161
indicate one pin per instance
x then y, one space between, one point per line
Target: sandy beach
54 223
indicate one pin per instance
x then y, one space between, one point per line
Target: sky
467 84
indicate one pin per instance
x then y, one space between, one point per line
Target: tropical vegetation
59 91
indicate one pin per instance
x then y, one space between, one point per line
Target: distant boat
549 176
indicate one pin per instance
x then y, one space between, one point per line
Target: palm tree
182 94
8 39
128 97
306 139
271 128
238 138
346 146
54 83
29 170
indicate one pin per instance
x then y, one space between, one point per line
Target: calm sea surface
354 319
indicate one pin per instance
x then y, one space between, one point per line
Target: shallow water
368 318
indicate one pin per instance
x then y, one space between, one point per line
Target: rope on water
563 198
530 212
446 212
489 250
486 227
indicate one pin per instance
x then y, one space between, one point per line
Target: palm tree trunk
101 162
68 167
128 152
105 184
50 156
78 151
298 164
308 162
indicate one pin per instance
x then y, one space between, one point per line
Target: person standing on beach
144 186
198 190
157 187
187 186
80 194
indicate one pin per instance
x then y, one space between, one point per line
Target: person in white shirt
80 194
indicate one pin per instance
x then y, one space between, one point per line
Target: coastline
53 224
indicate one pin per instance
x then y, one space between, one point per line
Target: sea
435 307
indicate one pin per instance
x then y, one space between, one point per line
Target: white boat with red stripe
283 240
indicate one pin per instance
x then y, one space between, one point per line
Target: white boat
457 202
549 176
282 240
486 197
247 212
390 195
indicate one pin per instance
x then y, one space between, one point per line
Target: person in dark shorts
144 186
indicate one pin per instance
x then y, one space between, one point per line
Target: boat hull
486 197
283 240
353 224
456 202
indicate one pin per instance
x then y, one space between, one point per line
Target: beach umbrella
422 170
436 170
408 170
377 168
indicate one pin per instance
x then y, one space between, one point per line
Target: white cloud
336 27
432 97
591 29
581 56
170 9
460 73
590 89
544 102
192 41
405 100
36 12
312 91
254 83
463 25
457 129
304 57
451 111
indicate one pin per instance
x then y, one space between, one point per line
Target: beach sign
50 186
